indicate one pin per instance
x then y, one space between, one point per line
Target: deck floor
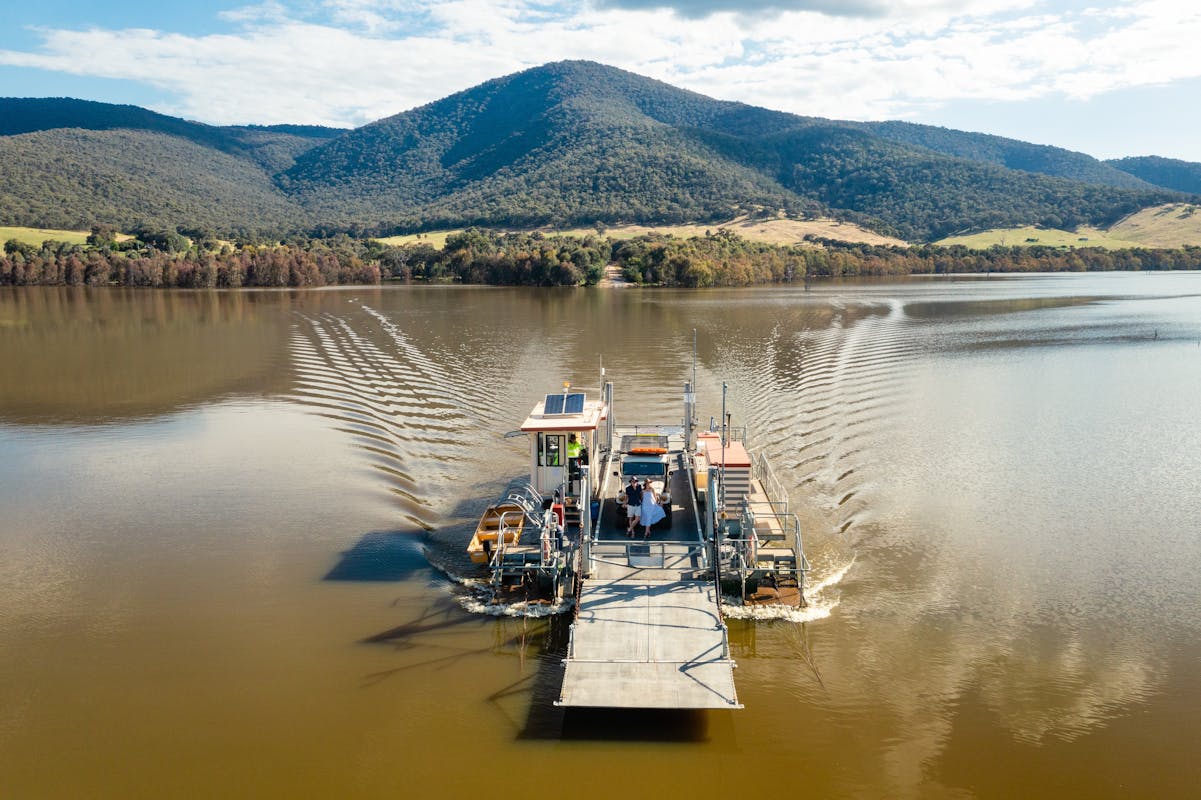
648 644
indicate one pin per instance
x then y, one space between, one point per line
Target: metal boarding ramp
648 634
648 644
648 631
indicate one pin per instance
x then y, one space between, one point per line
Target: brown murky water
219 514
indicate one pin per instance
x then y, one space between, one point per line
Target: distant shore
716 259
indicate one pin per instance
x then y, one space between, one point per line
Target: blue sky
1107 78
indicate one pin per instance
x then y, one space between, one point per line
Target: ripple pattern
814 397
413 413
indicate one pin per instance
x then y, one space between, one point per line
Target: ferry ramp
642 643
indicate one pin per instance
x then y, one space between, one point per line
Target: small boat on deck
502 521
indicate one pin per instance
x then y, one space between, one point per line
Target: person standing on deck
573 463
652 512
633 505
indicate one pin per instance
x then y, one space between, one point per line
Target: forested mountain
273 147
1170 173
73 163
577 142
1012 153
569 142
918 193
72 178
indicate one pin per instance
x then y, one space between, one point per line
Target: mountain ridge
571 142
1171 173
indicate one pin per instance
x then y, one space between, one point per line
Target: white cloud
836 8
351 61
270 11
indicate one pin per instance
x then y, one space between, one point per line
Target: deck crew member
574 448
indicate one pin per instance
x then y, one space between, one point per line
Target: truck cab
645 457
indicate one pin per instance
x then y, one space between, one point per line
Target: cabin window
550 450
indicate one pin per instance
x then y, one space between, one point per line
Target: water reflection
74 355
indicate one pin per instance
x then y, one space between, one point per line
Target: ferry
648 630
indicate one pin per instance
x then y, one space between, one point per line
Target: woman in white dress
652 512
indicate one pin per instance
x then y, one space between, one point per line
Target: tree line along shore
168 260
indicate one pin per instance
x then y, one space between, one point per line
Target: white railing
771 484
502 536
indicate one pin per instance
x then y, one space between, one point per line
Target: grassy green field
433 238
36 236
1172 225
1048 237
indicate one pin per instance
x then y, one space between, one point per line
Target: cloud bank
836 8
347 62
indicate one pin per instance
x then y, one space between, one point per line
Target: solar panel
553 405
574 404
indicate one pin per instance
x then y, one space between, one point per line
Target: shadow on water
435 618
382 556
546 721
635 725
528 701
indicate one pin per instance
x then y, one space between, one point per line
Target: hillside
68 163
1170 226
1010 153
577 142
1030 236
557 144
566 144
920 194
273 147
1170 173
782 231
72 178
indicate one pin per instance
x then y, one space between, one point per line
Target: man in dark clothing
633 505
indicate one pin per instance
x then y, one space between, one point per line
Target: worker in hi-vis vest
574 448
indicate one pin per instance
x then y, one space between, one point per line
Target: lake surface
232 530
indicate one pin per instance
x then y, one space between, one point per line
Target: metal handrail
751 563
700 533
733 433
772 504
797 538
529 498
501 530
767 476
546 551
661 546
526 507
747 546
